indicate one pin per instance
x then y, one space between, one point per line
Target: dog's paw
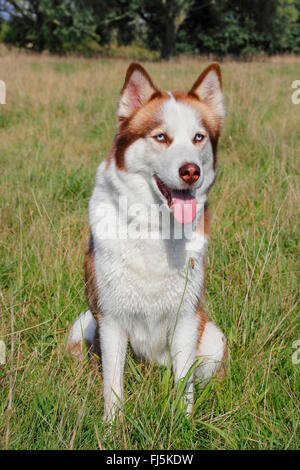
112 414
82 336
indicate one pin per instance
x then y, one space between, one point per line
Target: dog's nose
189 172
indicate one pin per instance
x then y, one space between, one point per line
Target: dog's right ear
137 90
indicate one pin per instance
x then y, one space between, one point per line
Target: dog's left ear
208 88
137 90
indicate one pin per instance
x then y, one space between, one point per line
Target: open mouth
182 202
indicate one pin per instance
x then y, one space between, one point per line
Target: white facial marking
180 120
147 156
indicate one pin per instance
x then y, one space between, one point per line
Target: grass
56 127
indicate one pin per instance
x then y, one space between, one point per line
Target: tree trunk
168 40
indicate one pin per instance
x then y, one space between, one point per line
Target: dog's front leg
113 342
183 352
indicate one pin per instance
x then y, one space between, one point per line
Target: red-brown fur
144 119
203 228
91 289
210 121
137 126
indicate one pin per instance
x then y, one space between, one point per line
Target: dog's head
171 137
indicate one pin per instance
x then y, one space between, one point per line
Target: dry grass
55 128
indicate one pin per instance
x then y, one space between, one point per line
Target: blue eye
160 137
198 137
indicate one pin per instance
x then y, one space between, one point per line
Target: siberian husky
145 259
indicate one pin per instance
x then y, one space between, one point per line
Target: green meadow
55 129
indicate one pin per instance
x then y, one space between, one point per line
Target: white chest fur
143 282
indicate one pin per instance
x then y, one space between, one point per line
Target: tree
163 19
237 27
287 25
55 25
232 26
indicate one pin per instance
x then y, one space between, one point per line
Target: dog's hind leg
84 335
212 353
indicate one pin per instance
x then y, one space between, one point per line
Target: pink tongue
184 206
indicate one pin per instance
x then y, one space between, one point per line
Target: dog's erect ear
137 90
208 88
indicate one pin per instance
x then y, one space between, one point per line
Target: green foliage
4 28
242 28
162 19
288 26
58 26
115 20
167 26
